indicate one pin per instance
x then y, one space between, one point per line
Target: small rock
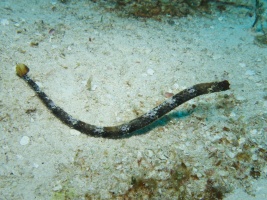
223 173
250 73
35 165
73 132
93 88
150 153
53 2
4 22
253 132
139 155
230 154
129 27
240 98
232 114
241 140
162 175
242 64
150 71
57 188
168 94
161 156
147 51
199 175
39 84
220 18
254 157
24 140
216 57
175 86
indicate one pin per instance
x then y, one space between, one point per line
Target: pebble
253 132
223 173
35 165
150 153
73 132
254 157
168 94
232 114
162 175
150 72
53 2
139 155
242 64
57 188
199 175
39 84
240 98
93 88
4 22
216 57
250 73
130 27
20 157
241 140
161 156
220 18
175 86
24 140
230 154
147 51
118 119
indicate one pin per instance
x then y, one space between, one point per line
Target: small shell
21 69
168 94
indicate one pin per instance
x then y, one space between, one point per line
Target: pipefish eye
21 69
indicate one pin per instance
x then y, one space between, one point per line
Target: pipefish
124 129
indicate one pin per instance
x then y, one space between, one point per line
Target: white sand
132 64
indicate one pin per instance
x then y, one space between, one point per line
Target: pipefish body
125 129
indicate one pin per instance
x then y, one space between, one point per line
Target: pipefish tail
123 130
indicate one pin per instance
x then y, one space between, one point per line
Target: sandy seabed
106 70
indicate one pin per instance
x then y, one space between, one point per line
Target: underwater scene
130 99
